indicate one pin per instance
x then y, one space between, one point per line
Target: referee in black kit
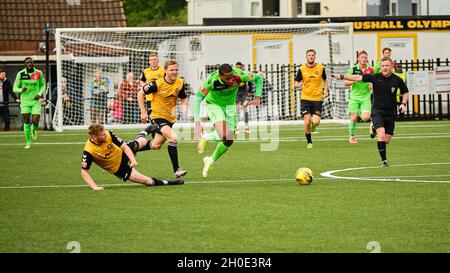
384 106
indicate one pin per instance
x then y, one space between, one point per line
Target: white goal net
275 50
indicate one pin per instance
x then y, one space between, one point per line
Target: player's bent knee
172 140
366 117
156 146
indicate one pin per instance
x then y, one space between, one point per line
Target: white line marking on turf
281 128
329 174
264 140
134 184
412 176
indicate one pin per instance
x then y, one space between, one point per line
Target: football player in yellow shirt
149 74
313 78
166 92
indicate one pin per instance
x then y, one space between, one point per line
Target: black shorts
161 123
241 98
383 119
311 107
124 171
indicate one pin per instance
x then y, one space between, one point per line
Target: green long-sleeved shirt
34 82
216 92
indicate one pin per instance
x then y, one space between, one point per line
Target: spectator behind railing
5 92
128 95
99 92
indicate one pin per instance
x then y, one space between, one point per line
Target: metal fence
420 107
426 107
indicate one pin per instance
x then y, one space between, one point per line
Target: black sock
147 146
134 145
246 118
158 182
382 149
150 129
308 138
142 134
173 153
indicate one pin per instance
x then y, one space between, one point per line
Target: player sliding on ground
117 157
384 108
219 92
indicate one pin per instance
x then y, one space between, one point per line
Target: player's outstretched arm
258 90
201 94
87 177
141 103
348 83
355 78
184 106
325 89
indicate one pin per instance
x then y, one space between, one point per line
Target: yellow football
304 176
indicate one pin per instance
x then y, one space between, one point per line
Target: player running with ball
219 92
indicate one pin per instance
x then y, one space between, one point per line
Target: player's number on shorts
74 246
374 247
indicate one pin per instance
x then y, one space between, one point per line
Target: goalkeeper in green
219 92
30 84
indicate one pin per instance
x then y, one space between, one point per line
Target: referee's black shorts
124 171
383 119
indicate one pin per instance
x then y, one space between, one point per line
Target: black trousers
4 113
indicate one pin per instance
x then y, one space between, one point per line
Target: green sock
351 128
212 136
220 150
27 132
33 127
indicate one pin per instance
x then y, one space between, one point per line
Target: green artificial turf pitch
250 201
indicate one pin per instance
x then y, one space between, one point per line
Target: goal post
276 51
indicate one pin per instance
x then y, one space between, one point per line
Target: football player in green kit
30 84
359 104
219 92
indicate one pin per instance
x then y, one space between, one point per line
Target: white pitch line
326 176
413 176
329 174
344 127
284 139
280 128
